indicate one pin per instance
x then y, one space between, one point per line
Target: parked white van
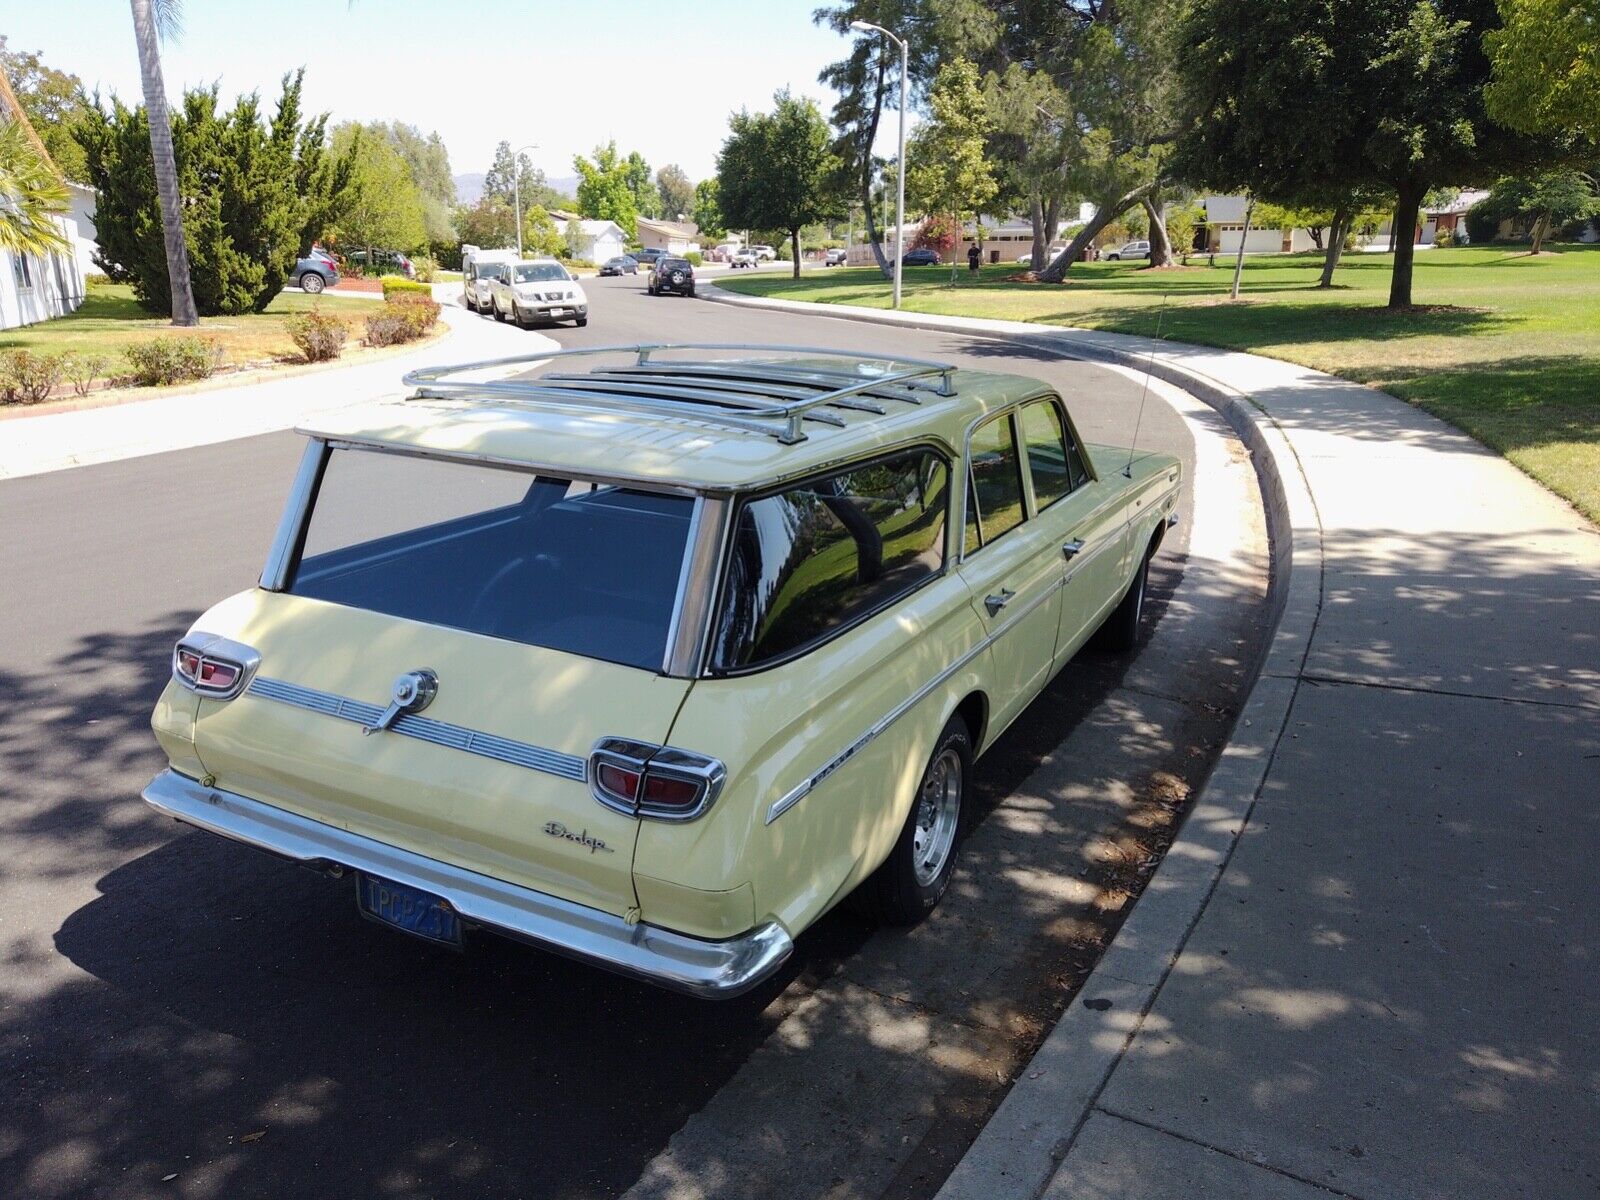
478 267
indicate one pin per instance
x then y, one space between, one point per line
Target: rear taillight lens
646 780
213 666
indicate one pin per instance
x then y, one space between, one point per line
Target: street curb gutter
1031 1132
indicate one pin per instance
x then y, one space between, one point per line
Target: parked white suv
538 289
1130 250
746 257
765 253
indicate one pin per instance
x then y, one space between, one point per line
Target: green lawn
1505 346
108 321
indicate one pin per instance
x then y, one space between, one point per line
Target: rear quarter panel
776 728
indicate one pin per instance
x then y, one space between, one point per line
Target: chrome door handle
1071 549
995 603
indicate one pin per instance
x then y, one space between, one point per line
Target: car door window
995 494
822 555
1045 434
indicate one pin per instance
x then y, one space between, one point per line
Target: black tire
581 322
498 315
1113 258
312 283
690 293
901 891
516 316
1120 631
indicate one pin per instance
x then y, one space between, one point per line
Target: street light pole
900 157
516 188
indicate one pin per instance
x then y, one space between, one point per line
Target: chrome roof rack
749 395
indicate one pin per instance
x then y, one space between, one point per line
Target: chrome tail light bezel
645 760
215 649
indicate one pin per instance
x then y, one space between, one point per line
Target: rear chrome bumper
712 970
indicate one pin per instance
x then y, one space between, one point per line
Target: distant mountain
469 187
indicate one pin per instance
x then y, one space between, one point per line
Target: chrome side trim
275 574
424 729
709 969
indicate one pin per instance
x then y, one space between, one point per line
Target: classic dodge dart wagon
655 663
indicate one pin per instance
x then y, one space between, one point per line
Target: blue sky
560 74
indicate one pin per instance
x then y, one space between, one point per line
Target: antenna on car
1150 362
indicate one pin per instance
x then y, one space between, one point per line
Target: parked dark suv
921 258
649 256
672 275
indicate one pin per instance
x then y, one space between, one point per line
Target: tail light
661 782
213 666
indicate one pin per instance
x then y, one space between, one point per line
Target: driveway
181 1016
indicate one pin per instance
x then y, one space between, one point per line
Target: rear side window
996 492
816 558
1050 461
541 560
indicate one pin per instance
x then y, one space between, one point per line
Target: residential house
675 237
36 287
596 241
1225 222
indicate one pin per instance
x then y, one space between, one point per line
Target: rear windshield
486 270
674 264
547 561
540 272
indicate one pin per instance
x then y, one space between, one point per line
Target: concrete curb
1031 1132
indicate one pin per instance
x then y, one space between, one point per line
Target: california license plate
558 312
408 908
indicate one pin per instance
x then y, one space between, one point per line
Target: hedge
394 284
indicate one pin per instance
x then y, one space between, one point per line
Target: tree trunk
1316 235
1406 209
1244 234
1104 214
1394 230
1160 243
1336 232
1041 247
869 137
166 165
794 250
1541 227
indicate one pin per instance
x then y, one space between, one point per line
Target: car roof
611 422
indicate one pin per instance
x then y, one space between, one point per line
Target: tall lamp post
900 158
516 187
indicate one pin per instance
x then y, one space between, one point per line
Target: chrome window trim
697 585
425 729
1066 429
1009 412
698 966
296 514
707 669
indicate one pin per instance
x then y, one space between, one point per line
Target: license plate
407 908
558 312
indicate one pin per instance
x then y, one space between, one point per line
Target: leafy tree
489 223
1546 67
429 163
54 103
1028 146
1183 221
253 188
946 168
540 234
1547 199
382 207
604 193
677 193
32 195
646 196
151 20
707 211
777 171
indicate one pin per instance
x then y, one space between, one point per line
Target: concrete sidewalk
1368 967
230 408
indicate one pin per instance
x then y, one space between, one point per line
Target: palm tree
32 195
151 18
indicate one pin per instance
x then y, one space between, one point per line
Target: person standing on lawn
974 256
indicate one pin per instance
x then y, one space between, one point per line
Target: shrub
174 359
575 264
1444 238
82 370
403 319
27 378
95 280
426 267
394 285
318 336
694 258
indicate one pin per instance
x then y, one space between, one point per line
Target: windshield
542 560
540 272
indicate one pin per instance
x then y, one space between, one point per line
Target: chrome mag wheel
938 814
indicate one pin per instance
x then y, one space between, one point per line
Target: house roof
681 229
591 228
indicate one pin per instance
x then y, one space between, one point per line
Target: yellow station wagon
655 663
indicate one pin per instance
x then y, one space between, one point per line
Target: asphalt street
174 1005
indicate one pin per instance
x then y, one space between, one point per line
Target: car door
1012 564
1083 516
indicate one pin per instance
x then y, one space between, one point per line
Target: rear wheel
911 880
311 282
